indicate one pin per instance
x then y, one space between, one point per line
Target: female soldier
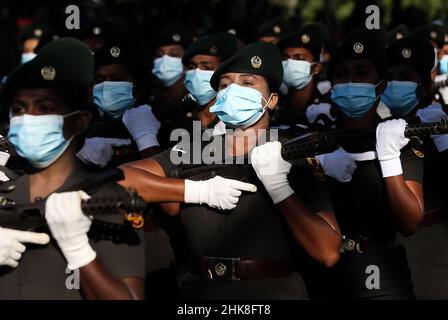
47 98
382 196
408 95
247 245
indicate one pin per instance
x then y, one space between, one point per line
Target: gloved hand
434 113
217 192
142 125
69 226
314 110
11 244
338 164
99 151
390 140
444 90
272 170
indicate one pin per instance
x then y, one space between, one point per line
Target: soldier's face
360 71
204 62
253 81
297 54
39 102
403 73
112 72
175 51
30 45
273 40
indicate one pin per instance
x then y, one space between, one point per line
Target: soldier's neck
48 180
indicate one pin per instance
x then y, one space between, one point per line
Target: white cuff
440 141
80 257
192 192
4 157
146 141
281 194
391 167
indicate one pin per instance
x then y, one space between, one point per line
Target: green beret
258 58
276 27
432 32
36 31
397 33
309 37
66 62
175 33
222 45
107 28
414 51
360 44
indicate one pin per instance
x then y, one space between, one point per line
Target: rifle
31 216
308 145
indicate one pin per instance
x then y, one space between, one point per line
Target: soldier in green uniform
124 128
201 59
47 99
169 73
244 253
409 95
304 104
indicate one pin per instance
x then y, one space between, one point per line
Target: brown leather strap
225 269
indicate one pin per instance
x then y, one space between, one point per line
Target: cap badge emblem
48 73
256 62
358 47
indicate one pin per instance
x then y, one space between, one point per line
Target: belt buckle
221 268
350 245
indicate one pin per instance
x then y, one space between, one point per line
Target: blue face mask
113 97
239 106
26 57
400 97
443 64
197 82
296 73
168 69
354 99
39 139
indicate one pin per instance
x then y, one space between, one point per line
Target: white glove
434 113
444 90
218 192
272 170
390 140
338 164
314 110
142 125
99 151
69 226
11 247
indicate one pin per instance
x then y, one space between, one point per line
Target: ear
381 87
274 101
316 69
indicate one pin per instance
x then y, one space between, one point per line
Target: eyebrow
248 75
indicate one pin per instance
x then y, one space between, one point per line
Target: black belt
232 269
